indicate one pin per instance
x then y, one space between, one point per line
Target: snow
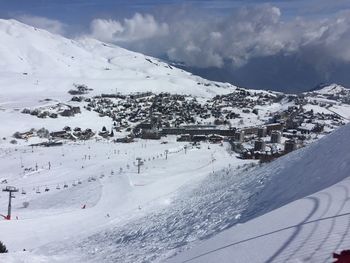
55 216
36 64
204 198
330 89
300 214
170 207
307 230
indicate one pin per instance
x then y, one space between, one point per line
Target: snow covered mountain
37 64
96 199
331 89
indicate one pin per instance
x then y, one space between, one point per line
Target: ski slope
205 198
171 207
118 197
300 214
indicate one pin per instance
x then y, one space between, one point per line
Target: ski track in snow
222 200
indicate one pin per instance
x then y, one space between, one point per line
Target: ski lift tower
139 163
10 190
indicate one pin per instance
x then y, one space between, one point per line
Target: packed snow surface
170 207
309 229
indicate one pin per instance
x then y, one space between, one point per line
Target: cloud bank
135 29
246 34
253 46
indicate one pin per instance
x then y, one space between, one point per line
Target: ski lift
74 184
47 189
79 182
23 192
58 187
38 191
65 185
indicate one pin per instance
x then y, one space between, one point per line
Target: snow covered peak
331 89
34 56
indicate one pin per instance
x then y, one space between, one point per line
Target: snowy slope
36 64
130 217
331 89
307 230
182 205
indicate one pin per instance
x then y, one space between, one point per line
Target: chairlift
58 187
79 182
23 192
47 189
65 185
38 191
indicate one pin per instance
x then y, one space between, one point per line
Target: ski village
108 155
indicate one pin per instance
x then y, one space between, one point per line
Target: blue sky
305 42
81 11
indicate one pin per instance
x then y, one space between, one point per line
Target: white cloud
248 33
105 30
51 25
137 28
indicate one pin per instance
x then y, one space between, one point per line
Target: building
262 132
290 146
239 136
259 145
274 127
276 137
152 134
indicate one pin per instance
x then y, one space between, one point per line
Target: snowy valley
121 157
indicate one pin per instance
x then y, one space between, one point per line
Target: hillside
309 190
120 157
36 64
